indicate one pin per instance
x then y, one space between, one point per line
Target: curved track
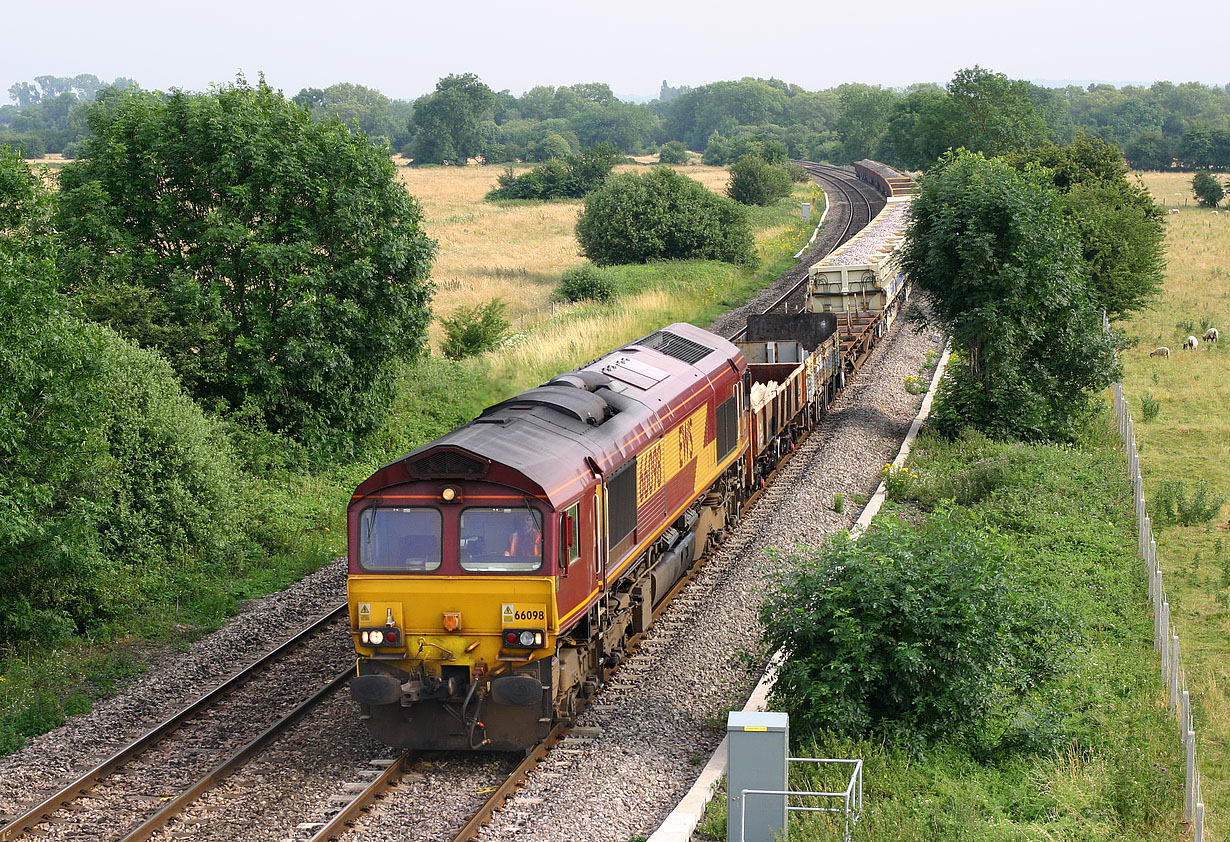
852 204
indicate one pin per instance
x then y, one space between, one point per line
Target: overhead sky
402 48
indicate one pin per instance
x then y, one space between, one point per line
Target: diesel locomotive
499 572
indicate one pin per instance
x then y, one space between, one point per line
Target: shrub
673 152
569 177
754 181
1172 505
662 215
584 283
1149 407
474 330
797 174
913 633
1207 189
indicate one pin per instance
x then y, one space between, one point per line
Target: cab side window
570 536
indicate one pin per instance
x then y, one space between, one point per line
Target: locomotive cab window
495 540
570 536
400 540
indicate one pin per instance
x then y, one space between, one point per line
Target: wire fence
1165 636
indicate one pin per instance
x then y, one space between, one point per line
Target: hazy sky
403 48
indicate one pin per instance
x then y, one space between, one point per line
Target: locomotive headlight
363 636
376 637
527 638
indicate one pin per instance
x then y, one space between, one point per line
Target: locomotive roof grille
674 345
449 463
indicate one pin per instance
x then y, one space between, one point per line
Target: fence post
1189 795
1174 673
1185 714
1163 641
1198 835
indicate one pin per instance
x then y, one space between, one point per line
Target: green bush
912 633
754 181
1208 190
673 152
1172 504
474 330
584 283
567 177
1150 407
797 174
662 215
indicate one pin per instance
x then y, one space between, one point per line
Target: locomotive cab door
577 559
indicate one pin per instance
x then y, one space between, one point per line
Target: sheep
1211 335
1172 211
1190 343
1160 352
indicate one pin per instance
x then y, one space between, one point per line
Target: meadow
1188 442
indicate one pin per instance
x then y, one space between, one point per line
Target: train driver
526 540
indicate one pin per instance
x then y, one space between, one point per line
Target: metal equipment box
758 750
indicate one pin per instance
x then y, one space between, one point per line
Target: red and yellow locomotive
497 570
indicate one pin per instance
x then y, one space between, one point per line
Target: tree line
1159 126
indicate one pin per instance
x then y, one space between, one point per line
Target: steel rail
341 822
70 792
210 779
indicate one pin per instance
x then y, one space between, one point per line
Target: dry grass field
510 250
1189 442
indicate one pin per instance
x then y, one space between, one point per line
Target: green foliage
1173 505
1149 150
754 181
722 151
475 330
661 215
913 633
454 123
1208 190
109 470
584 283
570 177
1150 407
355 105
272 258
839 502
673 152
989 245
1122 237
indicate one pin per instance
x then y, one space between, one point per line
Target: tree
1122 238
993 114
273 259
661 215
754 181
1208 192
455 123
107 469
673 152
989 245
1149 151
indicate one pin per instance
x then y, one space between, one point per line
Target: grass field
1189 442
518 250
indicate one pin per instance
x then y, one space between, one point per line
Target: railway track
860 203
140 788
